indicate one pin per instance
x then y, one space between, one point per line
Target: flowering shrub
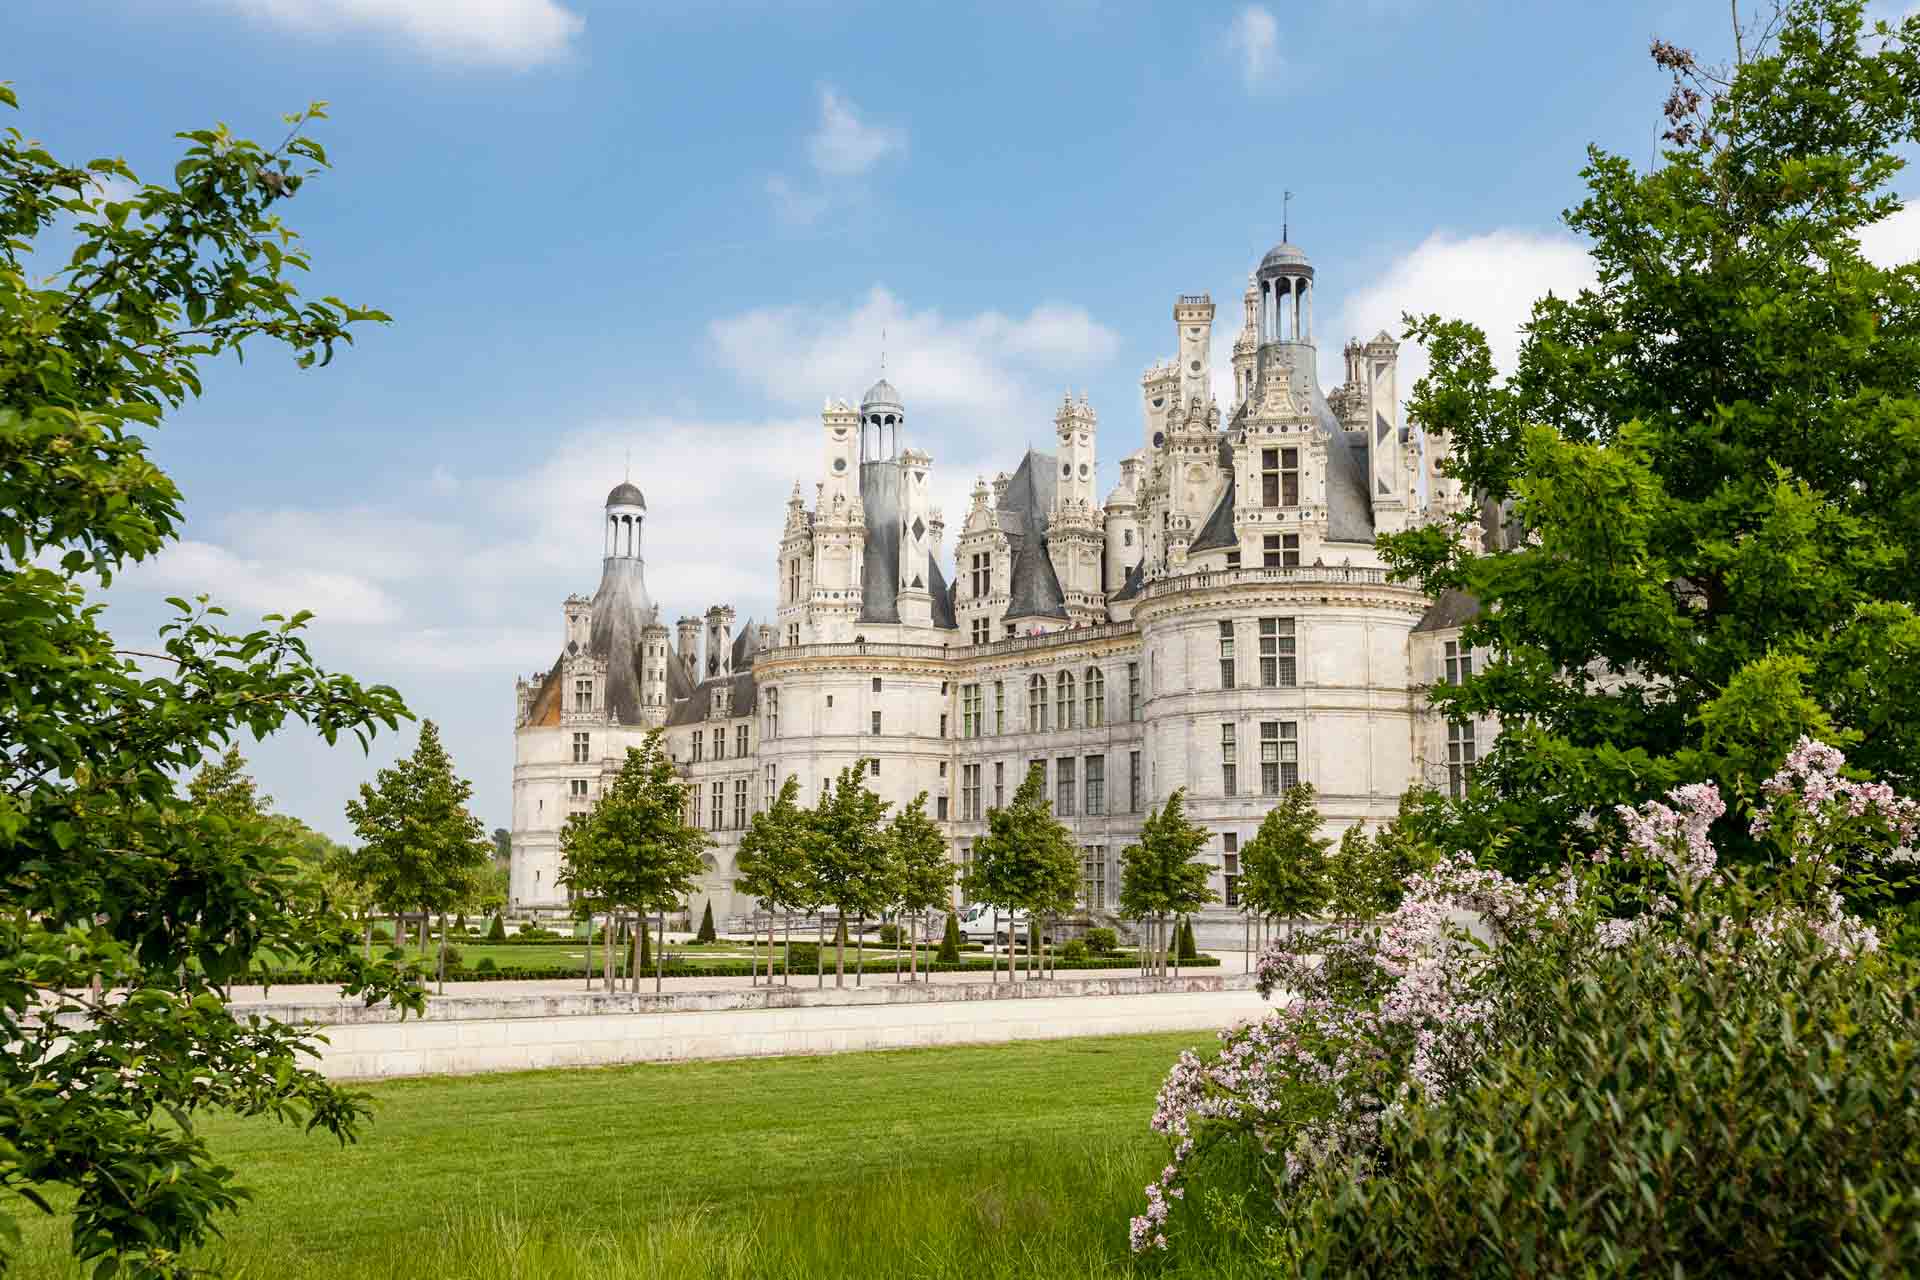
1410 1011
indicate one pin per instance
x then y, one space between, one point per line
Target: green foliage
1027 861
420 846
1074 950
949 952
485 965
851 852
1688 1110
1102 942
923 874
1714 454
1285 870
705 932
892 935
1162 875
634 850
1188 949
497 930
646 950
775 860
109 875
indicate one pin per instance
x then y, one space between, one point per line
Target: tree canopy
112 878
1284 869
1703 472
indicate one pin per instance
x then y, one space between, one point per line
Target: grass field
1023 1159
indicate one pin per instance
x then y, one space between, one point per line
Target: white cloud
1491 279
1895 241
243 584
845 145
794 207
442 483
1254 40
512 33
842 150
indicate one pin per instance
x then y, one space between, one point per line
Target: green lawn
1017 1159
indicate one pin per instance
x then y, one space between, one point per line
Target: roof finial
1286 198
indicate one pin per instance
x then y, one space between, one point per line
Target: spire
1286 199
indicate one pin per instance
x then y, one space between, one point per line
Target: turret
1193 318
687 634
720 640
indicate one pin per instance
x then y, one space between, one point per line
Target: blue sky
670 231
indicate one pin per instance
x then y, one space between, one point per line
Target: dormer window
583 694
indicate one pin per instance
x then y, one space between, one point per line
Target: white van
977 923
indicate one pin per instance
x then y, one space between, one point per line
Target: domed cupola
1285 281
626 513
882 417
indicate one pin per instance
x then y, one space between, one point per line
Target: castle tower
1123 549
915 597
1074 535
795 569
687 631
1193 317
982 566
1389 462
626 513
840 424
1246 344
1159 394
654 657
720 640
839 529
579 611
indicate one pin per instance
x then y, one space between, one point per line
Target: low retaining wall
463 1035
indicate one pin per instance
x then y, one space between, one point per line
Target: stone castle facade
1220 622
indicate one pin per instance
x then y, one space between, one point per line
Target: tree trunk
633 960
659 952
606 947
369 932
820 955
753 951
770 946
786 960
839 947
860 951
993 952
443 953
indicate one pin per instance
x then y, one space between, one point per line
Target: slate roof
883 495
620 610
692 708
1022 514
1131 588
1218 530
1453 610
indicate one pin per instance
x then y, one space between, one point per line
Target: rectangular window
577 793
1279 756
982 575
1290 551
582 747
1041 765
739 802
876 722
1462 753
982 630
740 741
943 724
693 805
1063 701
1133 782
1269 477
1459 663
1229 760
1230 867
1096 698
1037 704
793 580
999 784
773 713
583 694
793 633
970 792
1277 659
969 710
719 804
1096 786
719 744
772 792
873 767
940 808
1133 691
1226 655
1063 782
999 706
1233 558
1093 877
1289 477
1270 551
699 746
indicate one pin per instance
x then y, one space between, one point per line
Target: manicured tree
773 861
416 815
650 855
1189 950
112 878
584 874
705 933
1284 868
852 857
950 941
999 868
1709 457
1161 877
497 931
924 871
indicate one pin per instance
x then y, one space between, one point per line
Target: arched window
1096 698
1063 705
1037 704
